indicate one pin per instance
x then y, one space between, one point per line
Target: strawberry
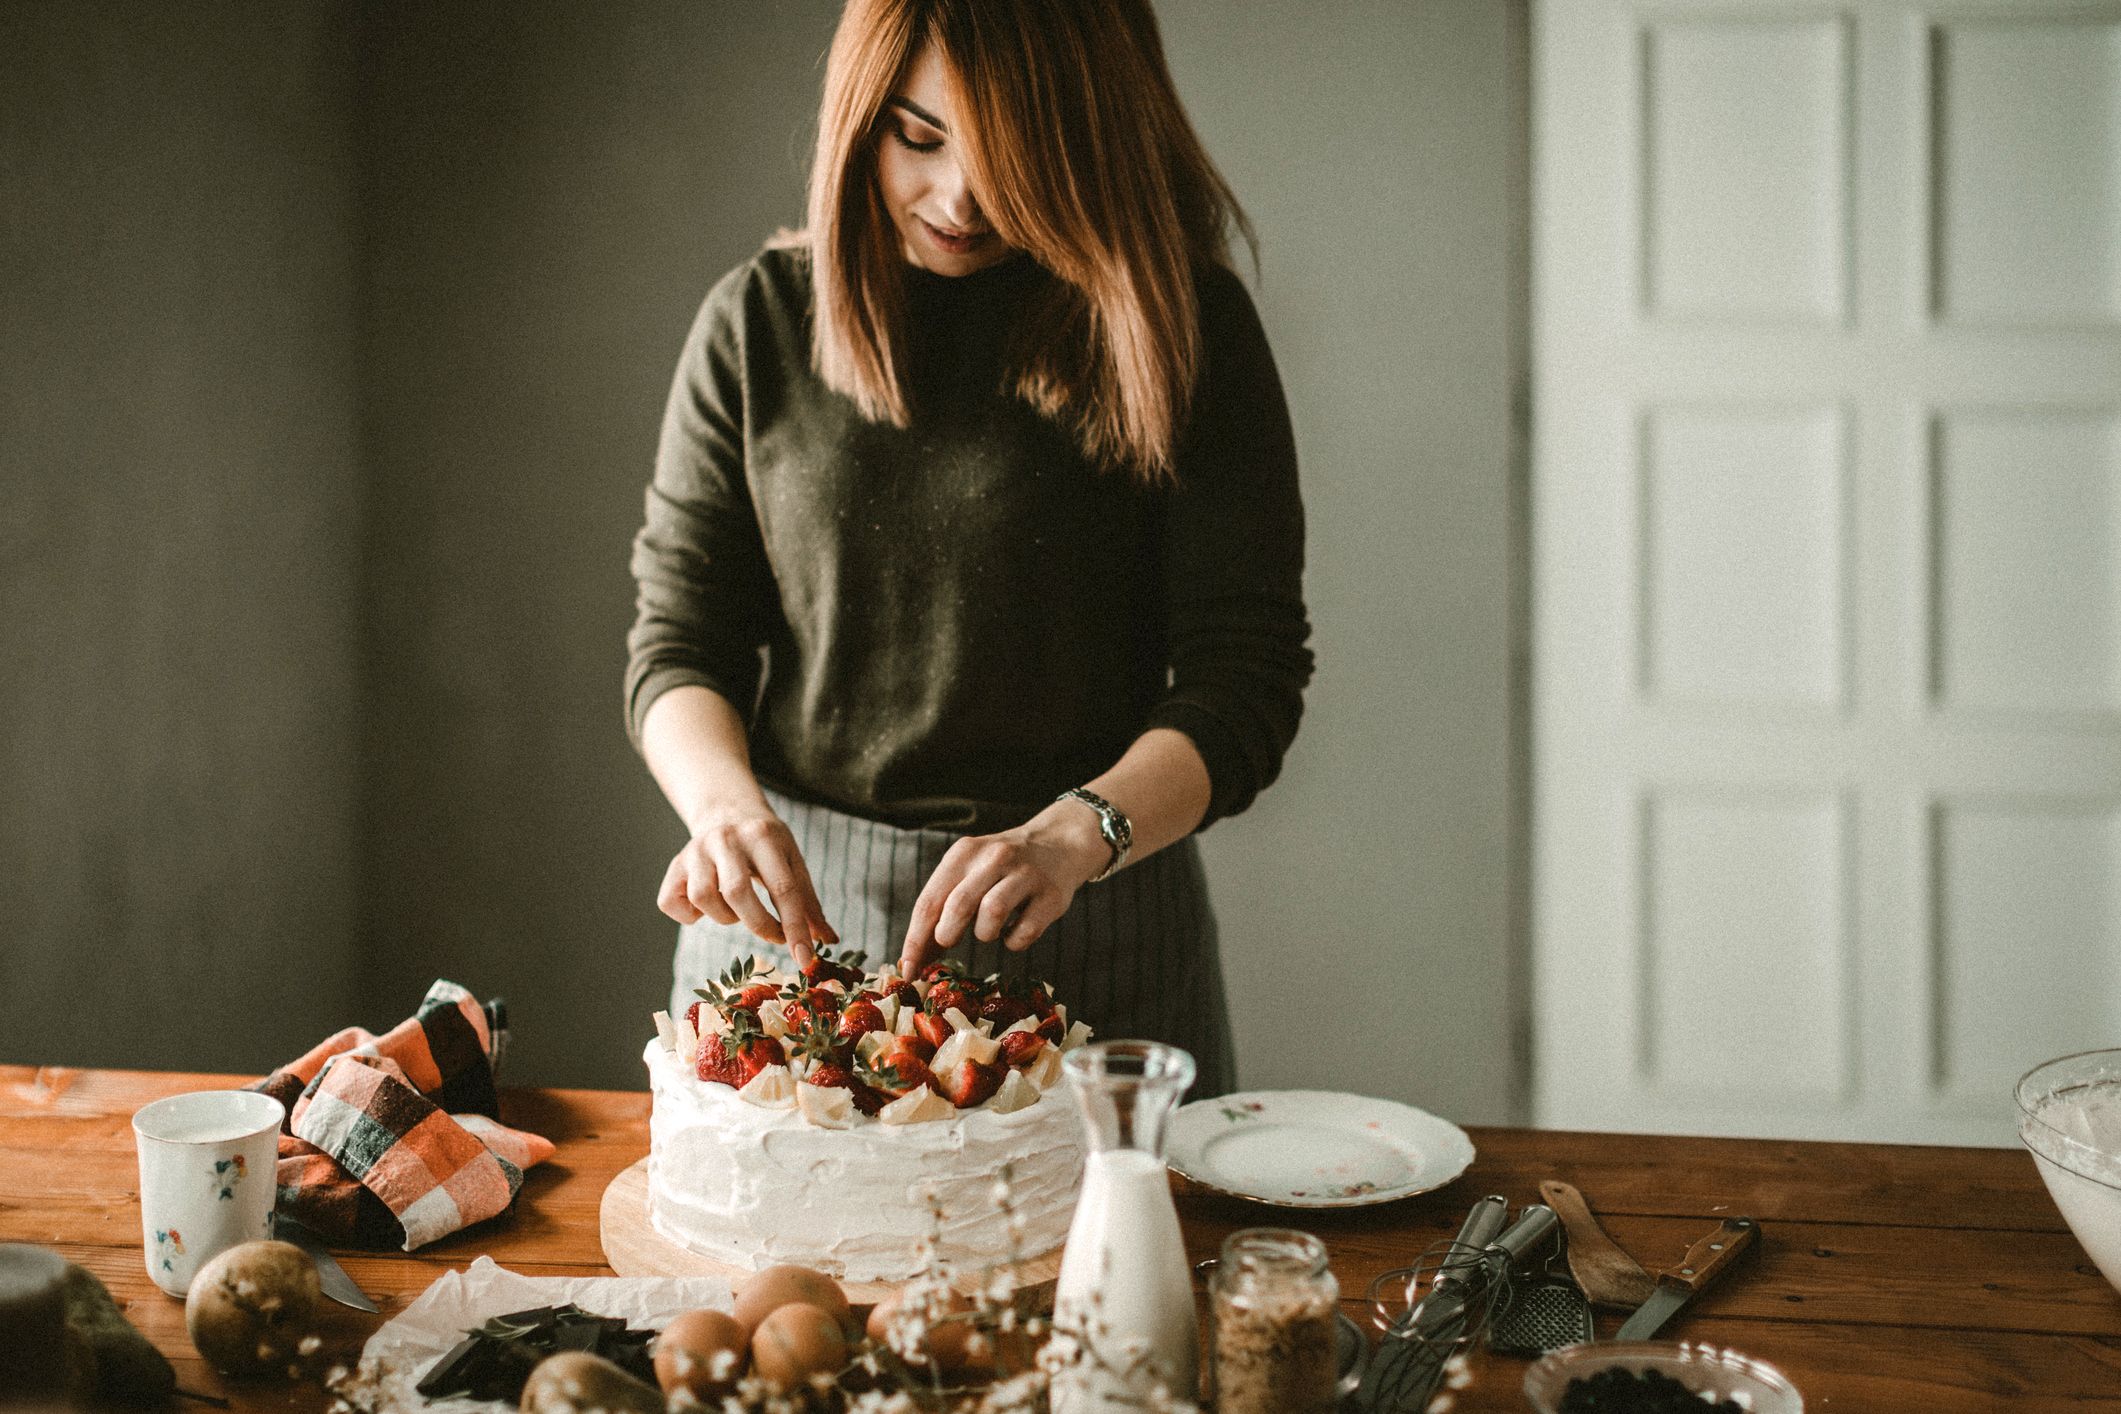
932 1029
720 1064
1020 1048
970 1083
1003 1010
823 999
907 994
740 1053
692 1017
901 1066
817 1043
757 995
943 967
1041 1001
951 992
823 966
867 1099
859 1017
1049 1026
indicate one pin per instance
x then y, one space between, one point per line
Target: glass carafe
1125 1288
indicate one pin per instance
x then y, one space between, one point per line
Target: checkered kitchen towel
394 1140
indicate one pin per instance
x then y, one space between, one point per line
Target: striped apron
1134 956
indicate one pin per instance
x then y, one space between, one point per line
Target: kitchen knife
330 1275
1703 1263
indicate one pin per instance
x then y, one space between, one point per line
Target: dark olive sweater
958 620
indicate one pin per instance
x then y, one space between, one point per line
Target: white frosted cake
815 1119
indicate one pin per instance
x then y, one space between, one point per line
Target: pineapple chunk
1078 1034
903 1025
916 1106
665 1032
826 1106
773 1017
1029 1023
965 1046
1044 1070
688 1047
958 1020
872 1041
772 1088
888 1005
1016 1093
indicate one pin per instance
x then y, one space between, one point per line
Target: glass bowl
2069 1119
1753 1385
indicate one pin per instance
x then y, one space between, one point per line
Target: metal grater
1539 1314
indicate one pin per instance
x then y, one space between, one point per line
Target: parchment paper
400 1353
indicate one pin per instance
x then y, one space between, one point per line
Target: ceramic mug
206 1178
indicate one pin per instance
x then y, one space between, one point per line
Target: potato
797 1341
702 1353
778 1286
576 1382
250 1306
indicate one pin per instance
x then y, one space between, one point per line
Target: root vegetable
251 1306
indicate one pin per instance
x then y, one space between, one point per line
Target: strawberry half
735 1056
971 1083
757 995
1020 1048
953 992
900 1067
931 1028
859 1018
1004 1011
1049 1026
839 1077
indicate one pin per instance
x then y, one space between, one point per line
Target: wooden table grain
1891 1278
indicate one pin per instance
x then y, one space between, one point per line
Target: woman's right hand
734 852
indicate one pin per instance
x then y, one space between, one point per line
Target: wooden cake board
635 1249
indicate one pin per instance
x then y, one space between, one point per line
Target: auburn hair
1075 145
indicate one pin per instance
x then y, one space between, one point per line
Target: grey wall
544 193
551 190
1377 147
180 518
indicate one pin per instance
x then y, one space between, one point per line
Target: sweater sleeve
705 593
1233 561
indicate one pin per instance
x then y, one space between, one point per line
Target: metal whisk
1444 1302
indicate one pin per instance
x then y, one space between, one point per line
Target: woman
990 472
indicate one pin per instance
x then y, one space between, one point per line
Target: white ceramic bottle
1125 1289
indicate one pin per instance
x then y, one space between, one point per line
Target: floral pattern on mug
169 1246
227 1174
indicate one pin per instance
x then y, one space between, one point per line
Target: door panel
1827 560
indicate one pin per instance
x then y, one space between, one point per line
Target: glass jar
1272 1304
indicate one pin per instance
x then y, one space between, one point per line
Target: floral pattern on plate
1315 1148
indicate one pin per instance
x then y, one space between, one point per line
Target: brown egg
797 1341
702 1353
778 1286
945 1341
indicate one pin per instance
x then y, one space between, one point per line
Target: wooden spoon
1608 1275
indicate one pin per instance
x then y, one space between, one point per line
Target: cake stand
635 1249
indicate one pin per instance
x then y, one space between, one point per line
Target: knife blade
330 1275
1705 1261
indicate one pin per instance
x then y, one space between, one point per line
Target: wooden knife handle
1706 1259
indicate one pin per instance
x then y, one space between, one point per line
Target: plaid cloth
395 1140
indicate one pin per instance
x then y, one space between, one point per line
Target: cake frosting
753 1186
777 1169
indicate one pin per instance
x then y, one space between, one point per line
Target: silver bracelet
1112 824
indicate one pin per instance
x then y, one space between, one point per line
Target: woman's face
940 226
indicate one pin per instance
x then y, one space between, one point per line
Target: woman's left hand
1020 880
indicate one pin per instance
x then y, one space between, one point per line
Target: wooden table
1891 1278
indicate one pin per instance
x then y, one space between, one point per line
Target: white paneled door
1827 561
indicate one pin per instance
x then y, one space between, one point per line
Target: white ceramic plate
1315 1148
